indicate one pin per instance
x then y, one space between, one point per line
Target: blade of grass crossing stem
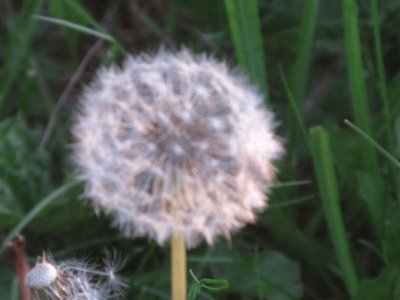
245 27
374 144
326 178
358 88
36 210
299 73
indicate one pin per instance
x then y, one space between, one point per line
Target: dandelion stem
178 267
21 263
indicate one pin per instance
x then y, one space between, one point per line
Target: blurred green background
332 229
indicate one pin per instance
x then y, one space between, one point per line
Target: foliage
338 199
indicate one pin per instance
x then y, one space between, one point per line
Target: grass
326 178
247 39
332 230
355 71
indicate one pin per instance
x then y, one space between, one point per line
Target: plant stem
21 265
178 267
35 211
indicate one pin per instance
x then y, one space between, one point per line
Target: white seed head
175 143
41 276
73 280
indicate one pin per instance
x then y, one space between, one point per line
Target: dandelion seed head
72 280
41 276
175 143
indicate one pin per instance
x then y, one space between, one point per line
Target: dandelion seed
73 280
175 143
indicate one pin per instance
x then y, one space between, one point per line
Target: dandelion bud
175 143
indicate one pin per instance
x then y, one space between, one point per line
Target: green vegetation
332 230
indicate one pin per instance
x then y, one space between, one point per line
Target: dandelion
73 280
175 145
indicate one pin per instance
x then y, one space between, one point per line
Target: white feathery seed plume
74 280
175 143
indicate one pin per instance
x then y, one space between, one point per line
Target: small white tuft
177 150
185 116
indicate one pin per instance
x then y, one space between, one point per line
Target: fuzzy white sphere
175 143
41 276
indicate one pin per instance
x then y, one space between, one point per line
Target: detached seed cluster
175 143
74 280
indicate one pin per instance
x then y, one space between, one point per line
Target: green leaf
385 287
17 51
208 284
268 274
37 209
9 210
24 168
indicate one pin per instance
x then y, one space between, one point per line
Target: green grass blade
77 27
381 74
60 10
358 89
246 33
85 18
299 77
374 144
328 190
299 74
296 124
277 185
294 110
290 202
82 13
36 210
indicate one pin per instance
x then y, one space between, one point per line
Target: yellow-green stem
178 267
